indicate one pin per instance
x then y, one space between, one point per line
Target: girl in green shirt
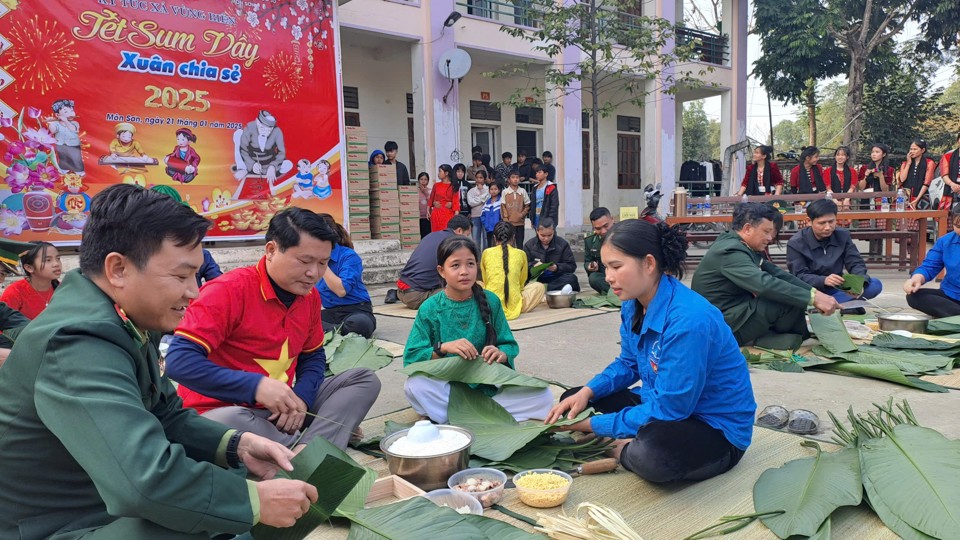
466 321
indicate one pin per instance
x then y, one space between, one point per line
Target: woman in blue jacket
344 297
692 418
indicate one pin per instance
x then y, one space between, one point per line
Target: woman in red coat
807 177
444 199
950 171
841 177
763 177
877 175
916 172
182 163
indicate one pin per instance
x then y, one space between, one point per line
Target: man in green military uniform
601 220
761 302
94 443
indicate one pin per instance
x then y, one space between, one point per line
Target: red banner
231 106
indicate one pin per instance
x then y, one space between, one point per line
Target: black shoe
391 297
853 311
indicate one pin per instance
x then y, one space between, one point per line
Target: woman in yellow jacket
504 269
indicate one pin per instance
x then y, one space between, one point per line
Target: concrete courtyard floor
572 352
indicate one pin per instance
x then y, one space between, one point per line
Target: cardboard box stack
384 202
358 183
409 217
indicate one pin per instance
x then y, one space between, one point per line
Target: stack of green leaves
608 300
353 351
342 487
892 358
910 476
499 440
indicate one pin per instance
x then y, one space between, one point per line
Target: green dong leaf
456 369
912 477
809 490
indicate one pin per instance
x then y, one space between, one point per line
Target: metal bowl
557 300
911 322
428 472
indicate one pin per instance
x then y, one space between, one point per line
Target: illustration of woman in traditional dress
182 163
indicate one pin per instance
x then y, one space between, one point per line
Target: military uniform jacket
90 431
734 278
591 252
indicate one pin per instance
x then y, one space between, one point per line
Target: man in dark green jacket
756 297
93 441
601 220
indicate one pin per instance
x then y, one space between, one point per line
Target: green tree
941 128
623 58
789 135
863 27
696 132
796 53
898 105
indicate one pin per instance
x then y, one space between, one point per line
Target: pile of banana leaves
499 440
889 357
348 351
342 488
909 475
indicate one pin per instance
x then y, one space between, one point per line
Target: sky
758 124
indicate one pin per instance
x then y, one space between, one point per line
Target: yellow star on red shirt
276 368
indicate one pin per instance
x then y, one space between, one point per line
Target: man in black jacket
544 200
820 253
547 247
419 279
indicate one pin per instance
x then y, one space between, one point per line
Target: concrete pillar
733 117
666 118
436 121
566 123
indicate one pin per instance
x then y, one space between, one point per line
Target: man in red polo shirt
249 351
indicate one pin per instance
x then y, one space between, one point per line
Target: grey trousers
341 404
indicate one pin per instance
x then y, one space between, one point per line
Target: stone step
363 247
381 275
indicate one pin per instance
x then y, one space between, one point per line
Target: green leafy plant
910 476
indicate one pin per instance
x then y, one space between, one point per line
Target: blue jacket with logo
689 364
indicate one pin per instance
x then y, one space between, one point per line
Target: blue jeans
478 232
870 290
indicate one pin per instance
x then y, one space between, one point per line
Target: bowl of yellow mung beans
543 488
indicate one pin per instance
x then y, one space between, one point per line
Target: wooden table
939 217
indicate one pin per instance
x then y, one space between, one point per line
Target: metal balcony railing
712 48
517 12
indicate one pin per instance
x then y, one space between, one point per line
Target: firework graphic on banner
43 55
282 75
310 20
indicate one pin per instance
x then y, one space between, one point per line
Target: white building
390 51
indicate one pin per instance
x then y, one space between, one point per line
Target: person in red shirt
841 177
950 172
763 176
249 351
877 175
807 177
916 172
32 295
